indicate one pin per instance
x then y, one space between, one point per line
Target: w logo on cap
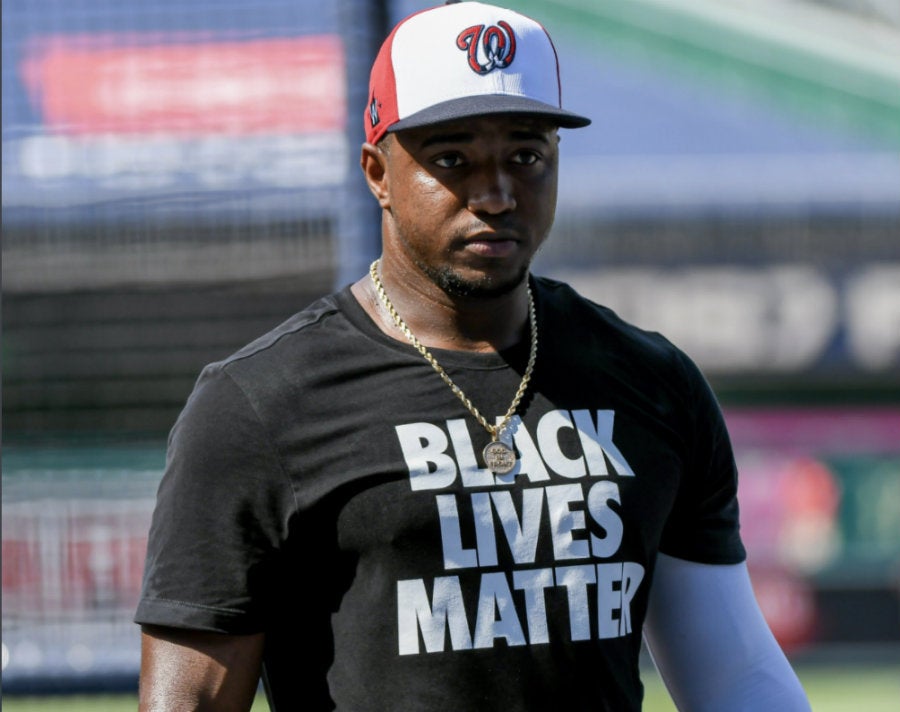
488 48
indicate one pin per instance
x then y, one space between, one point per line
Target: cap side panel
381 110
558 74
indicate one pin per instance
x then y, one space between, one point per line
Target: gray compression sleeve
712 645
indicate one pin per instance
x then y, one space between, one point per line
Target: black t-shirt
323 485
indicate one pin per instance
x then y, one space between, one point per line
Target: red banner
92 85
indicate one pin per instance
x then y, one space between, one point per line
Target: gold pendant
499 457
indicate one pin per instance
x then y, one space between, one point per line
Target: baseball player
455 484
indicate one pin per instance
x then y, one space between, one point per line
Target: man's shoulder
560 298
293 332
298 342
579 318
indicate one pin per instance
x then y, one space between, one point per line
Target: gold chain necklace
498 456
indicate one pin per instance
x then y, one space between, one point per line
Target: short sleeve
222 513
704 525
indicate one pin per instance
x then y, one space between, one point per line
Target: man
451 485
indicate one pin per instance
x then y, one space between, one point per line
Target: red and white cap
464 59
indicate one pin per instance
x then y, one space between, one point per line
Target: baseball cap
464 59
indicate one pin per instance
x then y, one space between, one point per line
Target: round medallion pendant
499 457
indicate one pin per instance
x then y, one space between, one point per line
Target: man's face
470 202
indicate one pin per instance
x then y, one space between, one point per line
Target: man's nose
491 191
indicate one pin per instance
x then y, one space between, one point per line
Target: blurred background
180 177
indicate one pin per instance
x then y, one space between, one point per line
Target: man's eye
525 158
449 160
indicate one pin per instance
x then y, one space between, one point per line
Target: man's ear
373 162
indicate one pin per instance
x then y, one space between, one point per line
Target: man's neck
480 324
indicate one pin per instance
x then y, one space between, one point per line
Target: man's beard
454 285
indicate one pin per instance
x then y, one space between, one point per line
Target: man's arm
712 645
195 670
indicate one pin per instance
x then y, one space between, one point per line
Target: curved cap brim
489 104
